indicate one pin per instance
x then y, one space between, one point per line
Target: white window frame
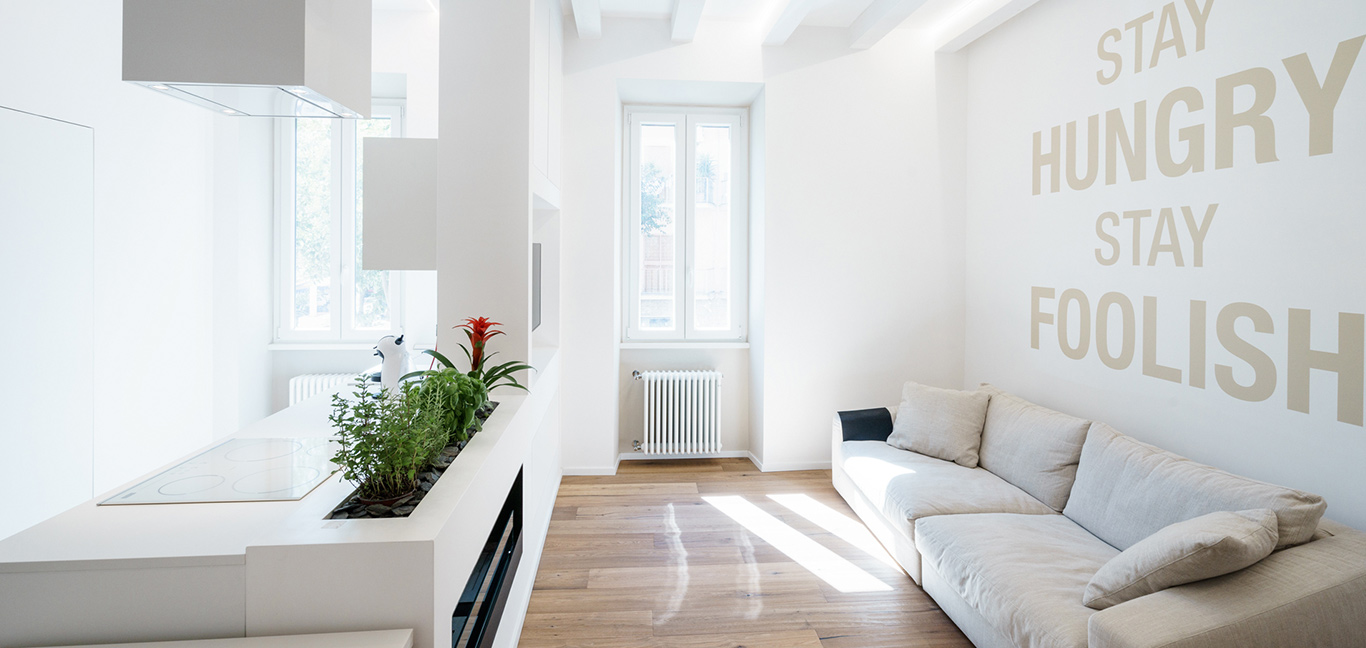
344 161
686 120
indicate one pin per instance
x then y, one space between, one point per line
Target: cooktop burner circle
263 450
191 485
275 480
326 450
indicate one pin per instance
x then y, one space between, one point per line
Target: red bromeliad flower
479 330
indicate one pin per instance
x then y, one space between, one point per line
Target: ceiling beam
687 15
964 27
878 20
785 18
587 17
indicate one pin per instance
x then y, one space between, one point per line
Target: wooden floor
644 559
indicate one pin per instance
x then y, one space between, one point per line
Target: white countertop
111 537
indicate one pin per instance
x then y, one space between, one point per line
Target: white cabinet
547 55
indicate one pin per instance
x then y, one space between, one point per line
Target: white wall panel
47 256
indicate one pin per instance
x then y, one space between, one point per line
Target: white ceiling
834 13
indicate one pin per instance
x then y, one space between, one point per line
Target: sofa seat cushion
1126 491
1025 574
906 486
1031 446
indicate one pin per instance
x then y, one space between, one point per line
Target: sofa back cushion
1032 447
1126 491
941 423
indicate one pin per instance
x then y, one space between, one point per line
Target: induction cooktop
239 470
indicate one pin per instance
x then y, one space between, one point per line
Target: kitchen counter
197 571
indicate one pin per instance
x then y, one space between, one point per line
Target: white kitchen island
113 574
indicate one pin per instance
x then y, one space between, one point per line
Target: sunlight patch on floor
840 525
811 555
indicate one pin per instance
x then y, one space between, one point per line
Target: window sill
699 344
321 346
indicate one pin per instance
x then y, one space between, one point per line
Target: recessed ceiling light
299 90
160 87
229 111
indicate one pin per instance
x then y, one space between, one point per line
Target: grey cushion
1310 595
907 486
1126 491
1024 574
941 423
1203 547
1032 446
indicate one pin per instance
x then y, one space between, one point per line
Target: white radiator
302 388
682 412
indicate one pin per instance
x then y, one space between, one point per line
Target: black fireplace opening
475 620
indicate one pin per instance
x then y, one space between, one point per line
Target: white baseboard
573 472
789 466
725 454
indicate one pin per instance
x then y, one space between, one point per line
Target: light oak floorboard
641 560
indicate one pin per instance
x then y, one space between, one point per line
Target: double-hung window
687 225
323 293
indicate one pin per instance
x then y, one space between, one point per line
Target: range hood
253 58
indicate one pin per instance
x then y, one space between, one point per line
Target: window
324 294
687 224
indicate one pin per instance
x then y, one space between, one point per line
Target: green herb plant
386 442
456 397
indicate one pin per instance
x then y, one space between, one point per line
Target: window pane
658 295
711 258
371 302
313 216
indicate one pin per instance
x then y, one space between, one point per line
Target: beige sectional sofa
1008 548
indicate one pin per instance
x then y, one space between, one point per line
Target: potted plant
386 442
480 330
455 398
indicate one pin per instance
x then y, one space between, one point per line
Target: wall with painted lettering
1166 228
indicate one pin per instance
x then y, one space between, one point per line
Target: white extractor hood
258 58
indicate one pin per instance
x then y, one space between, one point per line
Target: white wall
864 262
1287 234
408 42
758 181
47 251
243 271
153 230
860 263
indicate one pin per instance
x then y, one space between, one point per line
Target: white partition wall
46 258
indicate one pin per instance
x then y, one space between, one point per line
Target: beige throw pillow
941 423
1204 547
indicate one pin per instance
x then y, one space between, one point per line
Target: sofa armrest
864 425
1310 595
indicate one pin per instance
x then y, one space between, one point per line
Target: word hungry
1128 137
